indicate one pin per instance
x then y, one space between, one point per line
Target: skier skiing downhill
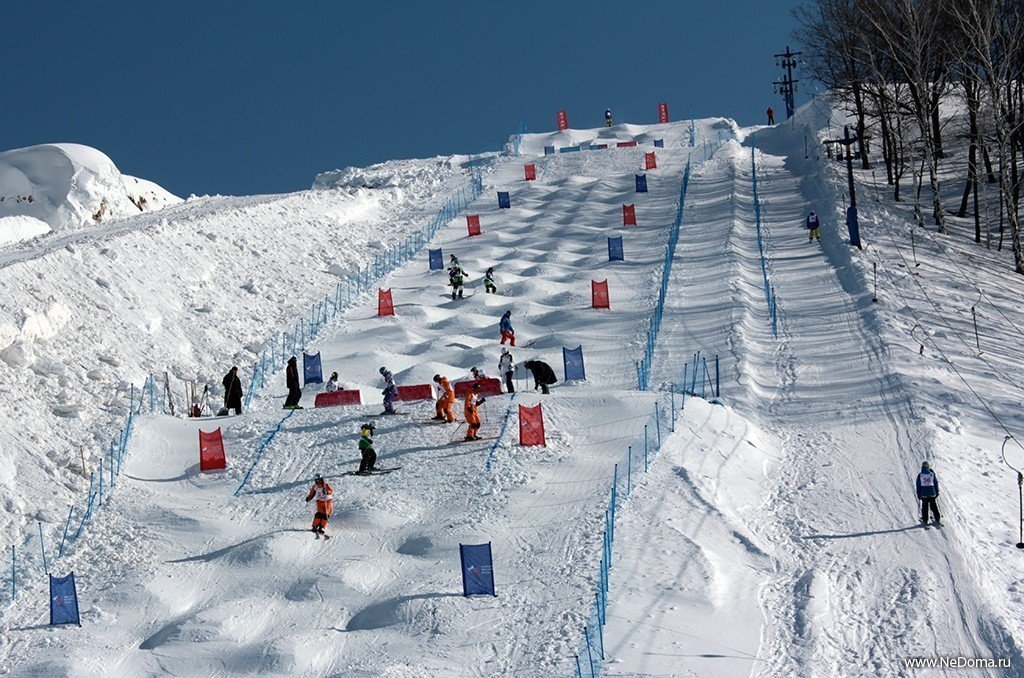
456 278
324 495
294 390
507 368
489 287
505 326
812 227
472 402
443 409
368 454
928 493
607 117
390 391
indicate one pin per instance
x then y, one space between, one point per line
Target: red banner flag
531 172
662 113
385 305
649 161
338 398
629 215
211 451
531 425
599 294
473 224
416 392
488 386
563 121
625 144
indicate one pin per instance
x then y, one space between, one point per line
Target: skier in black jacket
543 375
294 390
232 391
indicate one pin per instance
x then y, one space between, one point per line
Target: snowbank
17 229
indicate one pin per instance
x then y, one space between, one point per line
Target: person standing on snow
471 405
324 495
489 287
771 115
508 368
332 383
443 409
456 277
505 326
607 117
232 391
928 493
543 375
291 375
369 456
390 391
812 227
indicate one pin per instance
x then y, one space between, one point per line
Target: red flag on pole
563 121
662 113
599 294
531 172
211 451
629 215
649 161
473 224
385 305
531 425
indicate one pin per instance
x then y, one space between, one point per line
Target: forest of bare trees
902 67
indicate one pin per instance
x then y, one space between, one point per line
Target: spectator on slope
368 462
505 326
928 493
812 227
507 368
543 375
456 277
332 383
607 117
232 391
291 376
390 391
477 373
324 495
771 115
470 406
443 409
489 287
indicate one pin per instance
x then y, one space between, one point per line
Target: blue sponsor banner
477 569
436 260
573 363
615 249
64 601
569 149
503 200
641 183
659 143
312 372
549 150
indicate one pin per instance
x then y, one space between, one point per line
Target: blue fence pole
63 538
14 572
629 470
657 422
590 654
718 384
42 548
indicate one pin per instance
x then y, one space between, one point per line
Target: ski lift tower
787 86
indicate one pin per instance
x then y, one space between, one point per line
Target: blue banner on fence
477 569
641 183
503 200
436 260
573 362
312 372
659 143
569 149
615 249
64 601
549 150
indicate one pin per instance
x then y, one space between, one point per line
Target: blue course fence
769 290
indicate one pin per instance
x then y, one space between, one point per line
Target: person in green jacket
366 450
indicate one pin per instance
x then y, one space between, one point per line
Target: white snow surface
775 533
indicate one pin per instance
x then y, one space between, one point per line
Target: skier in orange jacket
443 410
473 400
324 495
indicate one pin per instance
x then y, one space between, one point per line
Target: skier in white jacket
507 368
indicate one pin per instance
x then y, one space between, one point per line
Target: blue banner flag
312 372
549 150
64 601
659 143
436 260
573 362
477 570
569 149
615 249
503 200
641 183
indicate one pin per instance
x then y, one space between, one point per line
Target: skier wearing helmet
390 391
369 455
324 495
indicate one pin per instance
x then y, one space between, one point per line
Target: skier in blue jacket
390 391
505 326
928 492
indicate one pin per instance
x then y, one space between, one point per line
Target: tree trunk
936 126
988 164
858 102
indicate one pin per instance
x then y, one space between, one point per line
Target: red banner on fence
416 392
211 451
385 305
530 171
599 294
625 144
629 215
563 121
473 224
649 161
531 426
488 386
662 113
335 398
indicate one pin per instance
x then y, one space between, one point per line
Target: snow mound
382 175
69 185
16 229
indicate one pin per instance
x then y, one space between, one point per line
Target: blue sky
257 97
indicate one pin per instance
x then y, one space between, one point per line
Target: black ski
477 440
375 472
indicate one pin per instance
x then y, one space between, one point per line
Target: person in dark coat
543 375
232 391
771 116
812 226
928 493
294 390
